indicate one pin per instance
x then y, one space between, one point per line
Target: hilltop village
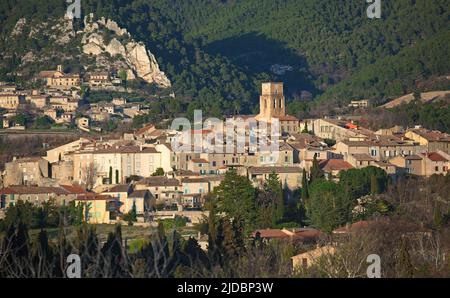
141 170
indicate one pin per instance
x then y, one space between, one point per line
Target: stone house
27 171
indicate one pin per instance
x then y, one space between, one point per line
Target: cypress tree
374 185
316 171
305 191
110 175
404 267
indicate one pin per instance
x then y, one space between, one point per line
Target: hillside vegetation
217 52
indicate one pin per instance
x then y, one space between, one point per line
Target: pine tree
236 197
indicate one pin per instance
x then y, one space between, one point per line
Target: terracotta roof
271 233
126 149
432 135
434 156
304 234
285 147
413 157
363 157
195 180
145 129
33 190
47 73
119 188
307 233
269 170
74 189
95 197
159 181
184 173
335 165
199 160
138 193
358 143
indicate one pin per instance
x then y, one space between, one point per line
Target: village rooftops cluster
147 160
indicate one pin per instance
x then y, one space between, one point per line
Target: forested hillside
217 52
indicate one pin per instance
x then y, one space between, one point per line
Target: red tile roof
305 234
434 156
199 160
271 233
95 197
277 170
74 189
146 128
34 190
335 165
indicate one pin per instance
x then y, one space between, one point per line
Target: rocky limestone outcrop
111 47
140 62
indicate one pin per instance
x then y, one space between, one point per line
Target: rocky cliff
139 61
98 45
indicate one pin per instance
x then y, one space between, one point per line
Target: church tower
271 102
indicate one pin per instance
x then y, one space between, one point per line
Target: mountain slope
216 52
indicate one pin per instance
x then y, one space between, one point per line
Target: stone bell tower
271 102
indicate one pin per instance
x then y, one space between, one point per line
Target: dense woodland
217 52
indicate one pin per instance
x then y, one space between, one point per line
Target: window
436 169
304 262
